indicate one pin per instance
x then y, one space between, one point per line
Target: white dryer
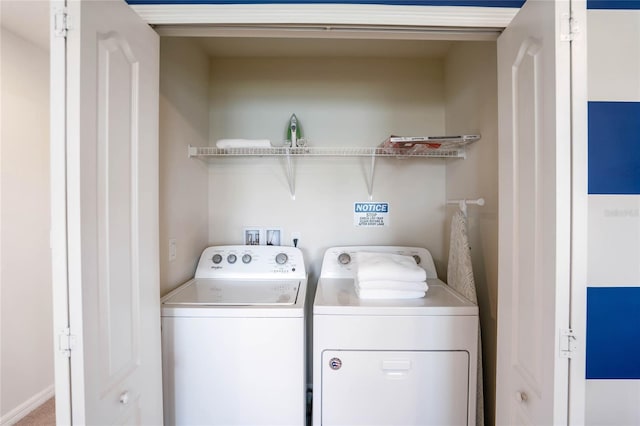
233 340
391 362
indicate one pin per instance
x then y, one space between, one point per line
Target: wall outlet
173 249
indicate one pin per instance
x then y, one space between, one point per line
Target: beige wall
340 101
26 364
472 107
184 121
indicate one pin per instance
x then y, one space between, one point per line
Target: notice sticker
368 215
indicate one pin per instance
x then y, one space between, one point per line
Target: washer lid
337 296
211 292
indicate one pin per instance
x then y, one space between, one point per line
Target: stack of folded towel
388 276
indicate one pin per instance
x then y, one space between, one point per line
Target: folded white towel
387 266
243 143
388 294
392 285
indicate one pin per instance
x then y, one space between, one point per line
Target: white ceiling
27 18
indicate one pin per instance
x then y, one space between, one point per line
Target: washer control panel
338 262
255 262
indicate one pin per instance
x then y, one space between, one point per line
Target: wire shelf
431 147
447 148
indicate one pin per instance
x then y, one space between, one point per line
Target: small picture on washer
252 237
273 237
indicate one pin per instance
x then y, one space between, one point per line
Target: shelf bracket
290 175
372 171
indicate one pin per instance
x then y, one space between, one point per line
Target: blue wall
613 333
614 148
613 295
613 4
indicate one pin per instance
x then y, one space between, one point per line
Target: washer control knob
417 259
217 258
281 258
232 258
246 258
344 259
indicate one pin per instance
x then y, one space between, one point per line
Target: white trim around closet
324 14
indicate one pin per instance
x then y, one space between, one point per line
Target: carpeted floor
44 415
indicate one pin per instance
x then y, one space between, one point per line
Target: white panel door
534 82
112 214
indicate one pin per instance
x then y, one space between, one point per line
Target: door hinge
567 343
569 28
60 23
66 342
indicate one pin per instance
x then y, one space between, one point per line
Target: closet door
535 160
109 193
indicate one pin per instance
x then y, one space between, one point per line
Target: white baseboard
28 406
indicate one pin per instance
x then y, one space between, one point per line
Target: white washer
233 340
391 362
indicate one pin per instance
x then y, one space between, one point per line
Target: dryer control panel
251 262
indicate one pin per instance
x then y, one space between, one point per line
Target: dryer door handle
396 368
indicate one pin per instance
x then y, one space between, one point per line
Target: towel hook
462 204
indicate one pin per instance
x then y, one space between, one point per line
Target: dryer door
395 388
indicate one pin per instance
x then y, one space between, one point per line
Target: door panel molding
117 183
527 119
